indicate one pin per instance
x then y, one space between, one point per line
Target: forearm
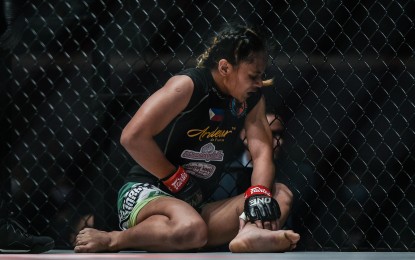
263 173
148 154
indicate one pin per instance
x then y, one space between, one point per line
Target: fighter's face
246 78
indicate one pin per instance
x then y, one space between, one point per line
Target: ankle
114 245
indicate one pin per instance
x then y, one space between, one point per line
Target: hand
184 187
261 208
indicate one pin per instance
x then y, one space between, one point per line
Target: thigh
174 210
166 224
139 201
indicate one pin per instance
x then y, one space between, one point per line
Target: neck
219 80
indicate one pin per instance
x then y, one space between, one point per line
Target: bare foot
84 222
252 239
90 240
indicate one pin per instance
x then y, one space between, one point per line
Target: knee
190 234
283 195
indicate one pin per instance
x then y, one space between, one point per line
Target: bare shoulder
172 97
179 85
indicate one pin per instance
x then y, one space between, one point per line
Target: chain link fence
74 72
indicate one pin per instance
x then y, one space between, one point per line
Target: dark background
344 73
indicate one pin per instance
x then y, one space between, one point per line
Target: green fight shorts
132 197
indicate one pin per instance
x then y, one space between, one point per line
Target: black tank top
202 138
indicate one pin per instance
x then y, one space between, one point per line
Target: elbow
129 138
125 138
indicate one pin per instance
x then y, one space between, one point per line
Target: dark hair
235 43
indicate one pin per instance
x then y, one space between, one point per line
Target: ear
224 67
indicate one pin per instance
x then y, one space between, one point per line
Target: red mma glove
184 187
260 205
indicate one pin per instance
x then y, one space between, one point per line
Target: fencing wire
74 72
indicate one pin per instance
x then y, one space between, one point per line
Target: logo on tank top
238 109
200 169
216 135
207 153
216 114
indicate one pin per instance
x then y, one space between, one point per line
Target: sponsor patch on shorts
132 197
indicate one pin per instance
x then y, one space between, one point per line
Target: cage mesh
74 72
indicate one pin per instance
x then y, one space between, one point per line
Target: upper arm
162 107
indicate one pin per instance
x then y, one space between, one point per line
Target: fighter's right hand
184 187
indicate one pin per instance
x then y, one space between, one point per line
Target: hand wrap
184 187
260 205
